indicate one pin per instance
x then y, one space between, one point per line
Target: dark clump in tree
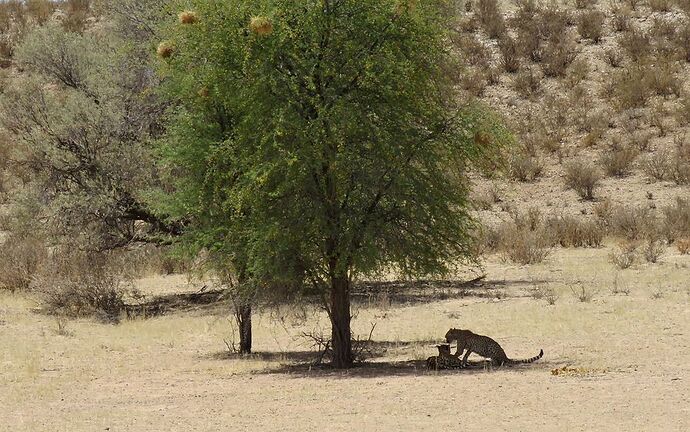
314 142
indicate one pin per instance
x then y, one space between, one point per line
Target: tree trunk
341 336
244 322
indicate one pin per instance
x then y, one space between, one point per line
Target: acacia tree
80 117
322 140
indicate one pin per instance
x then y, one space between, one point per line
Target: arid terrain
626 354
601 283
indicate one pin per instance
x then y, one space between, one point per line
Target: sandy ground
628 360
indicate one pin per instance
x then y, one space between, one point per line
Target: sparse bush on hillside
618 161
663 77
632 86
624 256
652 249
636 43
557 56
527 83
554 21
525 167
524 246
683 110
77 14
491 18
569 231
682 41
40 10
676 221
683 245
585 4
620 18
632 223
583 177
657 166
474 52
660 5
591 25
577 72
509 54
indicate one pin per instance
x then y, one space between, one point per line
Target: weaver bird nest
261 26
188 17
165 49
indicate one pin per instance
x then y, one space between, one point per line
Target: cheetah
484 346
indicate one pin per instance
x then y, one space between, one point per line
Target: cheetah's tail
530 360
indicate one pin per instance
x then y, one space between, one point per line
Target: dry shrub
474 52
683 245
77 14
614 57
583 177
490 18
682 113
652 249
657 166
509 54
624 256
529 29
569 231
632 223
680 167
663 77
557 56
554 21
682 41
658 118
82 284
527 83
525 167
618 161
676 220
591 25
474 81
660 5
40 10
585 4
604 210
632 86
21 258
636 43
577 72
620 18
524 246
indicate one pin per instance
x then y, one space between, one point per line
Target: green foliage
315 141
80 117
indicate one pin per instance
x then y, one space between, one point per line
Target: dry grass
172 372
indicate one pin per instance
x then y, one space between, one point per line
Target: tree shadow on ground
371 293
306 363
394 369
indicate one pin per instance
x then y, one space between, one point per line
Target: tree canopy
322 140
